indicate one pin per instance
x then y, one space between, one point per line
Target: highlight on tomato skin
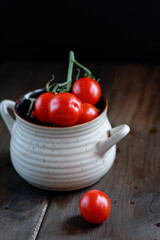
95 206
64 109
87 90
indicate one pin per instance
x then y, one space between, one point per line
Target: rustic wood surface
133 183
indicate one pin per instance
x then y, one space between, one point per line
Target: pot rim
53 127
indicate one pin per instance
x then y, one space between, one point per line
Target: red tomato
41 107
64 109
89 112
87 90
95 206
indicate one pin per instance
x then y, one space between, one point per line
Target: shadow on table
76 225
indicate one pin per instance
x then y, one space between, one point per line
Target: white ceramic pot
62 158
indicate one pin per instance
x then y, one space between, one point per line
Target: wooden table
133 183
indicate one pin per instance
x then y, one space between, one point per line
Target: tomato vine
56 88
66 86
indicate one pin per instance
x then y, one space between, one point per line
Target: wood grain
133 183
22 207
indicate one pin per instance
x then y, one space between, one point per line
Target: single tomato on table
89 112
41 107
87 90
95 206
64 109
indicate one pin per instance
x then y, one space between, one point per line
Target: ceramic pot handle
8 119
114 136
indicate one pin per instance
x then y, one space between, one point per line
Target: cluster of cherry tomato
66 105
67 109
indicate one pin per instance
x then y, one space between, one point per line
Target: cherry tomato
95 206
89 112
41 107
64 109
87 90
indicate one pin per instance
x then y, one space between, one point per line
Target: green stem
65 87
70 69
48 85
32 100
87 71
78 73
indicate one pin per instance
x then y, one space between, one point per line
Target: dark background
114 31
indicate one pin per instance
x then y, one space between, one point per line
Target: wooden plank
132 183
22 207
